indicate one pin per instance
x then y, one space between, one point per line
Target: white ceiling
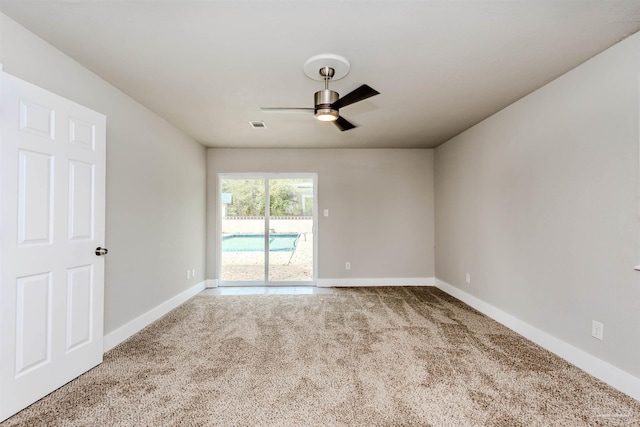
440 66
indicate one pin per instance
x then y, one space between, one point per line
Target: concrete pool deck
249 266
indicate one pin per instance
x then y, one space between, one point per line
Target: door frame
266 176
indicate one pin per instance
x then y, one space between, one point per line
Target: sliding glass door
243 226
267 225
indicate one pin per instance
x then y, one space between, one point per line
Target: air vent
258 125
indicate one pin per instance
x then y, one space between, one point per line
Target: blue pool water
255 242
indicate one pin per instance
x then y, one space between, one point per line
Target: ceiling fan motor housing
322 101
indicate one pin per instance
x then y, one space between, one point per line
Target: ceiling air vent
258 125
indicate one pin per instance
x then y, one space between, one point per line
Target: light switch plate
597 329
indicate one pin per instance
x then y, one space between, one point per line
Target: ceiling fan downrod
324 98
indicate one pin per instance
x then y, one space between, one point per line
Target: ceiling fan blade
285 110
344 124
363 92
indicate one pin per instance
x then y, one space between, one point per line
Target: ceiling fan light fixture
326 115
323 100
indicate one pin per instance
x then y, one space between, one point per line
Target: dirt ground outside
283 266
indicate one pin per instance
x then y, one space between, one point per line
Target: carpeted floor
355 357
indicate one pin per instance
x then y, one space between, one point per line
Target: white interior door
52 203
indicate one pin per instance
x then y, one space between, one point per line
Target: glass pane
291 229
242 207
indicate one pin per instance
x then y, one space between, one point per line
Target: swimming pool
255 242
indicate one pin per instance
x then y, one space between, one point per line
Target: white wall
380 206
156 178
539 204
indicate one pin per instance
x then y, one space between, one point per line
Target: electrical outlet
597 329
347 265
193 273
467 278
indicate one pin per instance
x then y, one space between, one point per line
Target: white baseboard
600 369
114 338
211 283
361 282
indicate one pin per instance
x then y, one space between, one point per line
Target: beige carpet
356 357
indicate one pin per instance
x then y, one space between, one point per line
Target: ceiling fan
327 102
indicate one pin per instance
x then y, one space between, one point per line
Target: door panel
37 119
35 188
33 322
242 231
79 305
81 185
52 203
82 134
291 226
